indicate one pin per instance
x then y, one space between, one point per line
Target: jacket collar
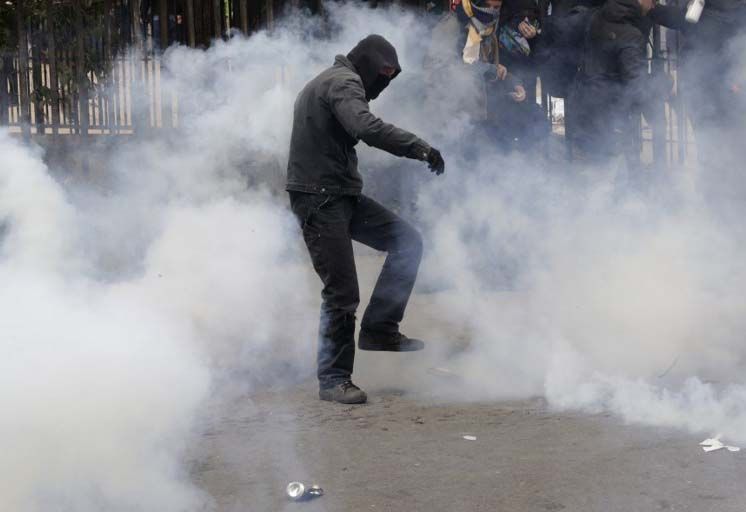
341 60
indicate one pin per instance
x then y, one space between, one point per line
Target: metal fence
65 68
667 139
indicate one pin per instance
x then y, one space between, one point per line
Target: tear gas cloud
126 296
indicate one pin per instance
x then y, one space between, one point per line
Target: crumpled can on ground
298 491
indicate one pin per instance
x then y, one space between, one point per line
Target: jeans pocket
308 213
304 206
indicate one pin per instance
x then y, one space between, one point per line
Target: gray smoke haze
125 300
98 388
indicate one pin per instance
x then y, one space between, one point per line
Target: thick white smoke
624 303
124 298
98 389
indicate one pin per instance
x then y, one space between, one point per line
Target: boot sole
327 398
389 348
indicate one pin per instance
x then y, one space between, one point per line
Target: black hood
617 11
369 57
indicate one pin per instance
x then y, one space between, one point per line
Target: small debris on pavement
297 491
442 372
470 438
710 445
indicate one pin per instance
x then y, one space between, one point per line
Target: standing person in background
610 87
713 94
519 28
518 33
331 115
712 86
558 50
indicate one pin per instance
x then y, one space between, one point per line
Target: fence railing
65 68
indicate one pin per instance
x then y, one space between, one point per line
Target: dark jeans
330 224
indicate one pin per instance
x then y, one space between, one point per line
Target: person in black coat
706 60
520 28
558 51
610 88
331 115
713 91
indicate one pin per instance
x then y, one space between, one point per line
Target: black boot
345 393
396 342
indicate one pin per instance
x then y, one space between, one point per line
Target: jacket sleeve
348 104
669 16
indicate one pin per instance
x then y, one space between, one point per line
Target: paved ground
406 452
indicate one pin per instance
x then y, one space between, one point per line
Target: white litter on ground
470 438
710 445
442 372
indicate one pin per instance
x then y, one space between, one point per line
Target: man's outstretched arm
348 103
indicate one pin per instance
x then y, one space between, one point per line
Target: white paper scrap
470 438
712 444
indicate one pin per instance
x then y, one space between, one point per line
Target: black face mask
370 57
377 87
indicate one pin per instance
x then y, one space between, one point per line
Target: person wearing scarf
463 56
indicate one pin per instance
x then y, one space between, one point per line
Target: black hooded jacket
612 78
331 115
512 13
614 59
559 48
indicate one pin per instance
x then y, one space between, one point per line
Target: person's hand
435 162
502 72
518 94
526 29
499 72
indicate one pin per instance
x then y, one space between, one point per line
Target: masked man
331 115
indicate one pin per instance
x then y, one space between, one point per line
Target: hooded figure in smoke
612 83
711 82
331 115
463 55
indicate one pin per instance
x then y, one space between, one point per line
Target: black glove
435 162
